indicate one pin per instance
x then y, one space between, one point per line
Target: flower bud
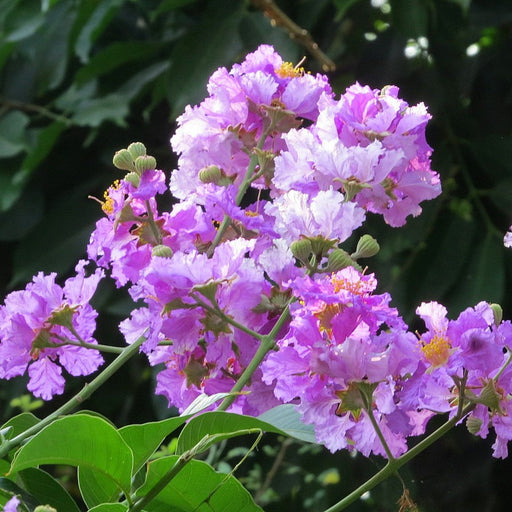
321 246
163 251
339 259
123 160
366 247
133 178
210 174
473 425
352 187
136 149
497 311
302 249
490 397
145 163
44 508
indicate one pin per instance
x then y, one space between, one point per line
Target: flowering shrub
245 295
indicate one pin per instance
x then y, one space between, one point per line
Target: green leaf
93 112
20 423
23 21
146 438
193 61
80 440
95 488
50 48
94 27
109 507
46 489
286 418
197 487
210 423
115 55
203 401
13 133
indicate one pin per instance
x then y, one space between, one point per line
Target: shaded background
81 79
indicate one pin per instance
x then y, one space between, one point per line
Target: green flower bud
210 174
136 149
497 311
321 245
302 249
366 247
133 178
123 160
163 251
338 259
45 508
352 187
490 397
473 425
145 163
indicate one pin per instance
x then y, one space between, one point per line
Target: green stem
155 230
77 400
184 459
226 221
268 343
379 433
395 464
218 312
84 344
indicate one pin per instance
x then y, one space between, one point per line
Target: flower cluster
274 174
45 324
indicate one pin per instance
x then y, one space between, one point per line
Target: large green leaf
20 423
80 440
95 488
210 423
196 488
144 439
109 507
46 489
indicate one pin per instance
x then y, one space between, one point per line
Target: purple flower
507 239
325 214
261 93
334 352
12 505
371 145
45 324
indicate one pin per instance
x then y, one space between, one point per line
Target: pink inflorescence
212 276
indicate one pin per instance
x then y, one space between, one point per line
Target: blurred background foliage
80 79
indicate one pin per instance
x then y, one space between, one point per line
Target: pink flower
38 323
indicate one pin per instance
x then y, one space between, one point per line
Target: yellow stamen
288 70
108 205
437 351
340 283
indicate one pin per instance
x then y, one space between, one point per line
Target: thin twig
280 19
31 107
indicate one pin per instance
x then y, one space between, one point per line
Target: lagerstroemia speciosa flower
213 276
42 328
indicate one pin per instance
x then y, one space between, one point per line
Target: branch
279 19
